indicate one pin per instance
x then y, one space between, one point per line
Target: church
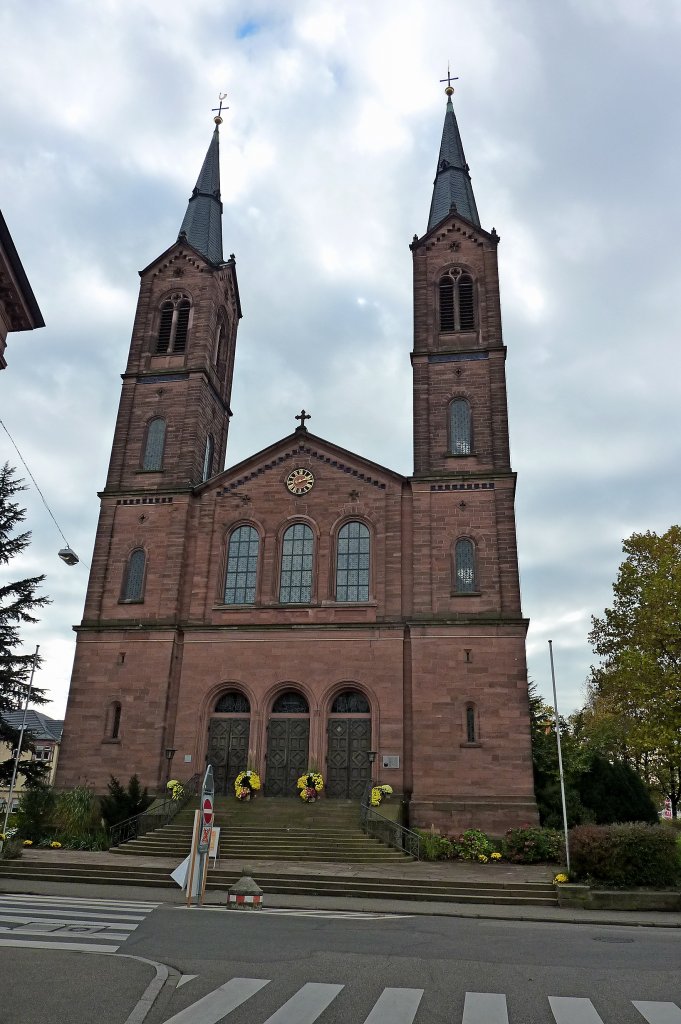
307 607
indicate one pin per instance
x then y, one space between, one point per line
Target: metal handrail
154 817
390 832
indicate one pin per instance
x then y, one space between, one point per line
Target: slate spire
452 187
202 224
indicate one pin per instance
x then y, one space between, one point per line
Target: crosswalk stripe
58 932
216 1005
306 1005
58 921
66 915
74 947
659 1013
79 900
397 1006
568 1010
484 1008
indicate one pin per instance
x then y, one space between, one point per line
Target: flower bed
310 786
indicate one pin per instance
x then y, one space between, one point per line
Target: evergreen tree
18 602
614 792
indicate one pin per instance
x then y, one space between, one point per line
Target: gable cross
449 79
302 417
218 110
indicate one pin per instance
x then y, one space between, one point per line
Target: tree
18 602
121 803
639 642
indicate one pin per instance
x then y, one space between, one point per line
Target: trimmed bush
472 844
531 845
636 854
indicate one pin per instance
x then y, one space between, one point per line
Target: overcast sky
571 122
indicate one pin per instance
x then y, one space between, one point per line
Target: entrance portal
288 742
349 741
228 741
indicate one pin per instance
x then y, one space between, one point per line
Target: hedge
636 854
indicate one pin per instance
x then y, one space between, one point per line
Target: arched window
460 433
290 703
297 549
457 301
154 444
242 566
114 721
352 563
219 341
350 702
208 458
133 584
173 325
464 572
233 703
471 735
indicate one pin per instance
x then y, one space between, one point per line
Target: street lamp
169 754
68 555
371 757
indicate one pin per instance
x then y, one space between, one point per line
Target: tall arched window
154 444
352 563
465 576
133 583
460 433
115 720
290 703
233 703
457 301
173 325
350 702
297 549
208 458
242 566
471 735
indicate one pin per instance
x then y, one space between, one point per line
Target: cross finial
302 417
449 79
218 110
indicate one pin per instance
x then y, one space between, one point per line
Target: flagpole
21 739
560 758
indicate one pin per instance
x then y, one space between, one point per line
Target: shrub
434 846
35 811
532 844
77 811
473 844
614 792
625 855
121 803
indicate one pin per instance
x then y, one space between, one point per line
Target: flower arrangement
495 856
28 842
560 879
310 786
55 845
176 789
482 858
246 784
379 793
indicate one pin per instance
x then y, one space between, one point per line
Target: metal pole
21 739
560 758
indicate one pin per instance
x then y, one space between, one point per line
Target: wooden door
288 741
227 751
347 767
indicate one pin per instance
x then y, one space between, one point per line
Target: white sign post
206 827
668 809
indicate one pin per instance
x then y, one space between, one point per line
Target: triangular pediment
457 226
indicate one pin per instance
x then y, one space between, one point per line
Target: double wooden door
227 750
288 741
347 767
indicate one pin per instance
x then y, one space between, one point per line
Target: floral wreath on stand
310 785
246 784
379 793
175 788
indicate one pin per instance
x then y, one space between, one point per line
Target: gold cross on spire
450 89
218 110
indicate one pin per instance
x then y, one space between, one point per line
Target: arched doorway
349 740
228 734
288 741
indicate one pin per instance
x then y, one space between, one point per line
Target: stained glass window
465 566
460 427
352 563
155 443
242 566
350 702
133 587
470 724
290 703
233 703
297 548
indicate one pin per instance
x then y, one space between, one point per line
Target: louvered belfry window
297 549
457 301
460 433
465 573
242 566
155 443
133 585
352 563
173 325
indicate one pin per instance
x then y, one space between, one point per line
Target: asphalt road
250 967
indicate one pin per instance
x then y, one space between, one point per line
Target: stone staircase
273 829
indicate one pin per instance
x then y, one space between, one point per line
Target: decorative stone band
244 902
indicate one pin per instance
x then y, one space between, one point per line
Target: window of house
295 586
465 574
173 325
352 563
154 444
233 703
208 458
460 433
350 702
133 584
457 301
471 736
290 703
242 565
114 720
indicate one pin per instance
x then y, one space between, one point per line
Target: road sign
667 809
207 807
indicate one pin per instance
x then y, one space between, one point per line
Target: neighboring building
308 606
18 307
45 735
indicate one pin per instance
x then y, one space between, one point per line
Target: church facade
308 607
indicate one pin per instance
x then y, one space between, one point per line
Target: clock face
300 481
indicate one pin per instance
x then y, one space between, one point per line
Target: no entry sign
207 808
